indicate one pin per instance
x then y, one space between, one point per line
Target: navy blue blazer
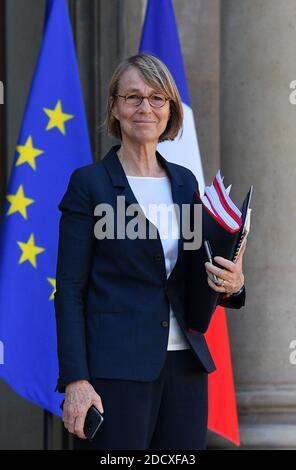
112 295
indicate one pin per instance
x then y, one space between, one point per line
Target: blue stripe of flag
160 38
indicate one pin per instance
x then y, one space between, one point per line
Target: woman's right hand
79 397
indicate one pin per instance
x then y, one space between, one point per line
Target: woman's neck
140 160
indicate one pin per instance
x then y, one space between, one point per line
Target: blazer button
158 257
164 323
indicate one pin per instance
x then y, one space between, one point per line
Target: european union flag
53 142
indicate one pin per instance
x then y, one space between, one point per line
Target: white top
155 198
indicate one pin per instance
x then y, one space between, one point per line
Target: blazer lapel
119 180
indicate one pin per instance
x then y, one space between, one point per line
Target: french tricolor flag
160 38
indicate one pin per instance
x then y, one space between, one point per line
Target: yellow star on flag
18 202
52 281
30 251
57 118
28 153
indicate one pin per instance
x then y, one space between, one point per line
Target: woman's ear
114 114
114 111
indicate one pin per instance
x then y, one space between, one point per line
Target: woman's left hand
231 278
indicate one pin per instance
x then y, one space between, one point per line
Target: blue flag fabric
160 38
53 142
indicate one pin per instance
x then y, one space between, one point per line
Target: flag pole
47 430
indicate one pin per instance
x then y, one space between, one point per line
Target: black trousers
169 413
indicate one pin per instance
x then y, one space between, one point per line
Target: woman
121 301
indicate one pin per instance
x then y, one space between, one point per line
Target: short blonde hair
157 75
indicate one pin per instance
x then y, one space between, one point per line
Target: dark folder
203 299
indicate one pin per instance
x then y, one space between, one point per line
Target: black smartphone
93 421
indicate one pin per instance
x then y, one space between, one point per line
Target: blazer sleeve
236 301
75 251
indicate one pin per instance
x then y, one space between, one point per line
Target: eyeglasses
156 100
